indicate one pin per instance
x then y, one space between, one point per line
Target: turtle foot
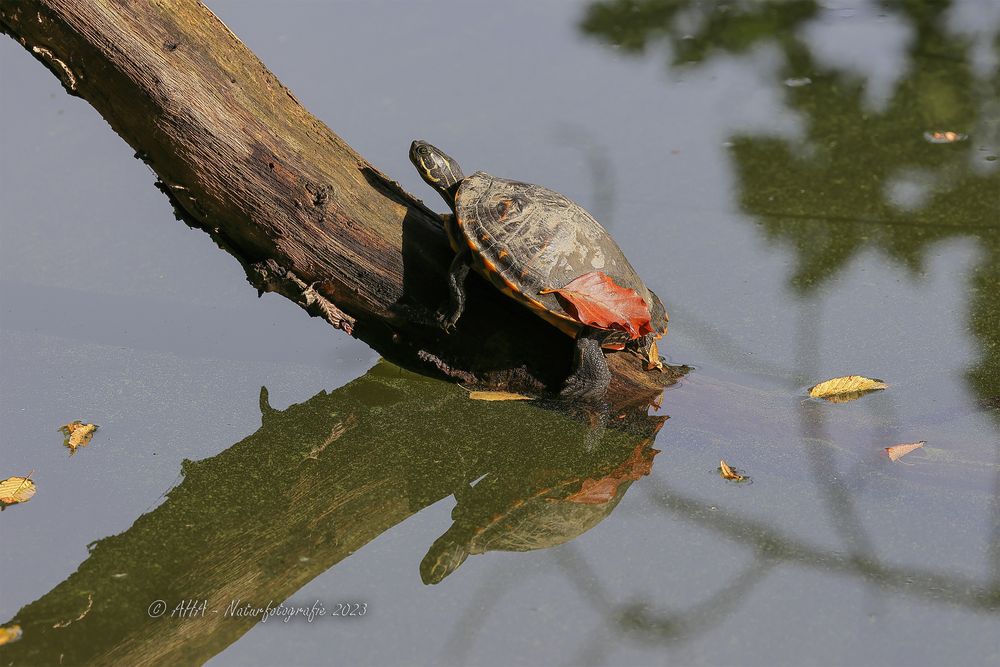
448 321
582 387
590 377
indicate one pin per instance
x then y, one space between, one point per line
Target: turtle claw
448 321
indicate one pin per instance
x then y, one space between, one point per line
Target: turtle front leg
590 377
457 274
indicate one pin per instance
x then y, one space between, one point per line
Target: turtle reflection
312 486
535 506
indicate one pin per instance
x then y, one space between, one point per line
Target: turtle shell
547 510
526 238
541 522
544 519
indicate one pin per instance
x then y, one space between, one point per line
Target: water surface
765 166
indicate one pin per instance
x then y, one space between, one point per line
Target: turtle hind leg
590 377
457 274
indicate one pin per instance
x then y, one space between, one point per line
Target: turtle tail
443 558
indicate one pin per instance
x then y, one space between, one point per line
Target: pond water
773 172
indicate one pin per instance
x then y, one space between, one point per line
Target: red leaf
596 300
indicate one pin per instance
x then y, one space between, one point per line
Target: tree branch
305 215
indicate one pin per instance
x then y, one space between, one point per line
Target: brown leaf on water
730 473
77 434
897 452
15 490
10 633
846 388
595 299
498 396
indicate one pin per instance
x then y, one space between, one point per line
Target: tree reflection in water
860 178
321 479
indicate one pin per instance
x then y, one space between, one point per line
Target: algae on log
305 215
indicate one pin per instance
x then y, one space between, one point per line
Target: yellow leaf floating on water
847 388
15 490
498 396
77 434
9 634
728 472
897 452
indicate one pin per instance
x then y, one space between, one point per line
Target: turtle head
437 168
445 556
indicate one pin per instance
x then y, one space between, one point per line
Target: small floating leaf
798 82
77 434
944 137
728 472
15 490
897 452
498 396
9 634
847 388
597 300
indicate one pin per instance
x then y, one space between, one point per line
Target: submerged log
306 216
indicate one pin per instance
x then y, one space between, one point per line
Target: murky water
771 169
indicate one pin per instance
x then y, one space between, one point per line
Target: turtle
526 515
525 239
539 522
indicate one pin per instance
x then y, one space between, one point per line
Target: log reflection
313 485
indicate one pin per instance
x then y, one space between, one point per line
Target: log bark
305 215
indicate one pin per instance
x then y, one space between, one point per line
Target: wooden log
305 215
